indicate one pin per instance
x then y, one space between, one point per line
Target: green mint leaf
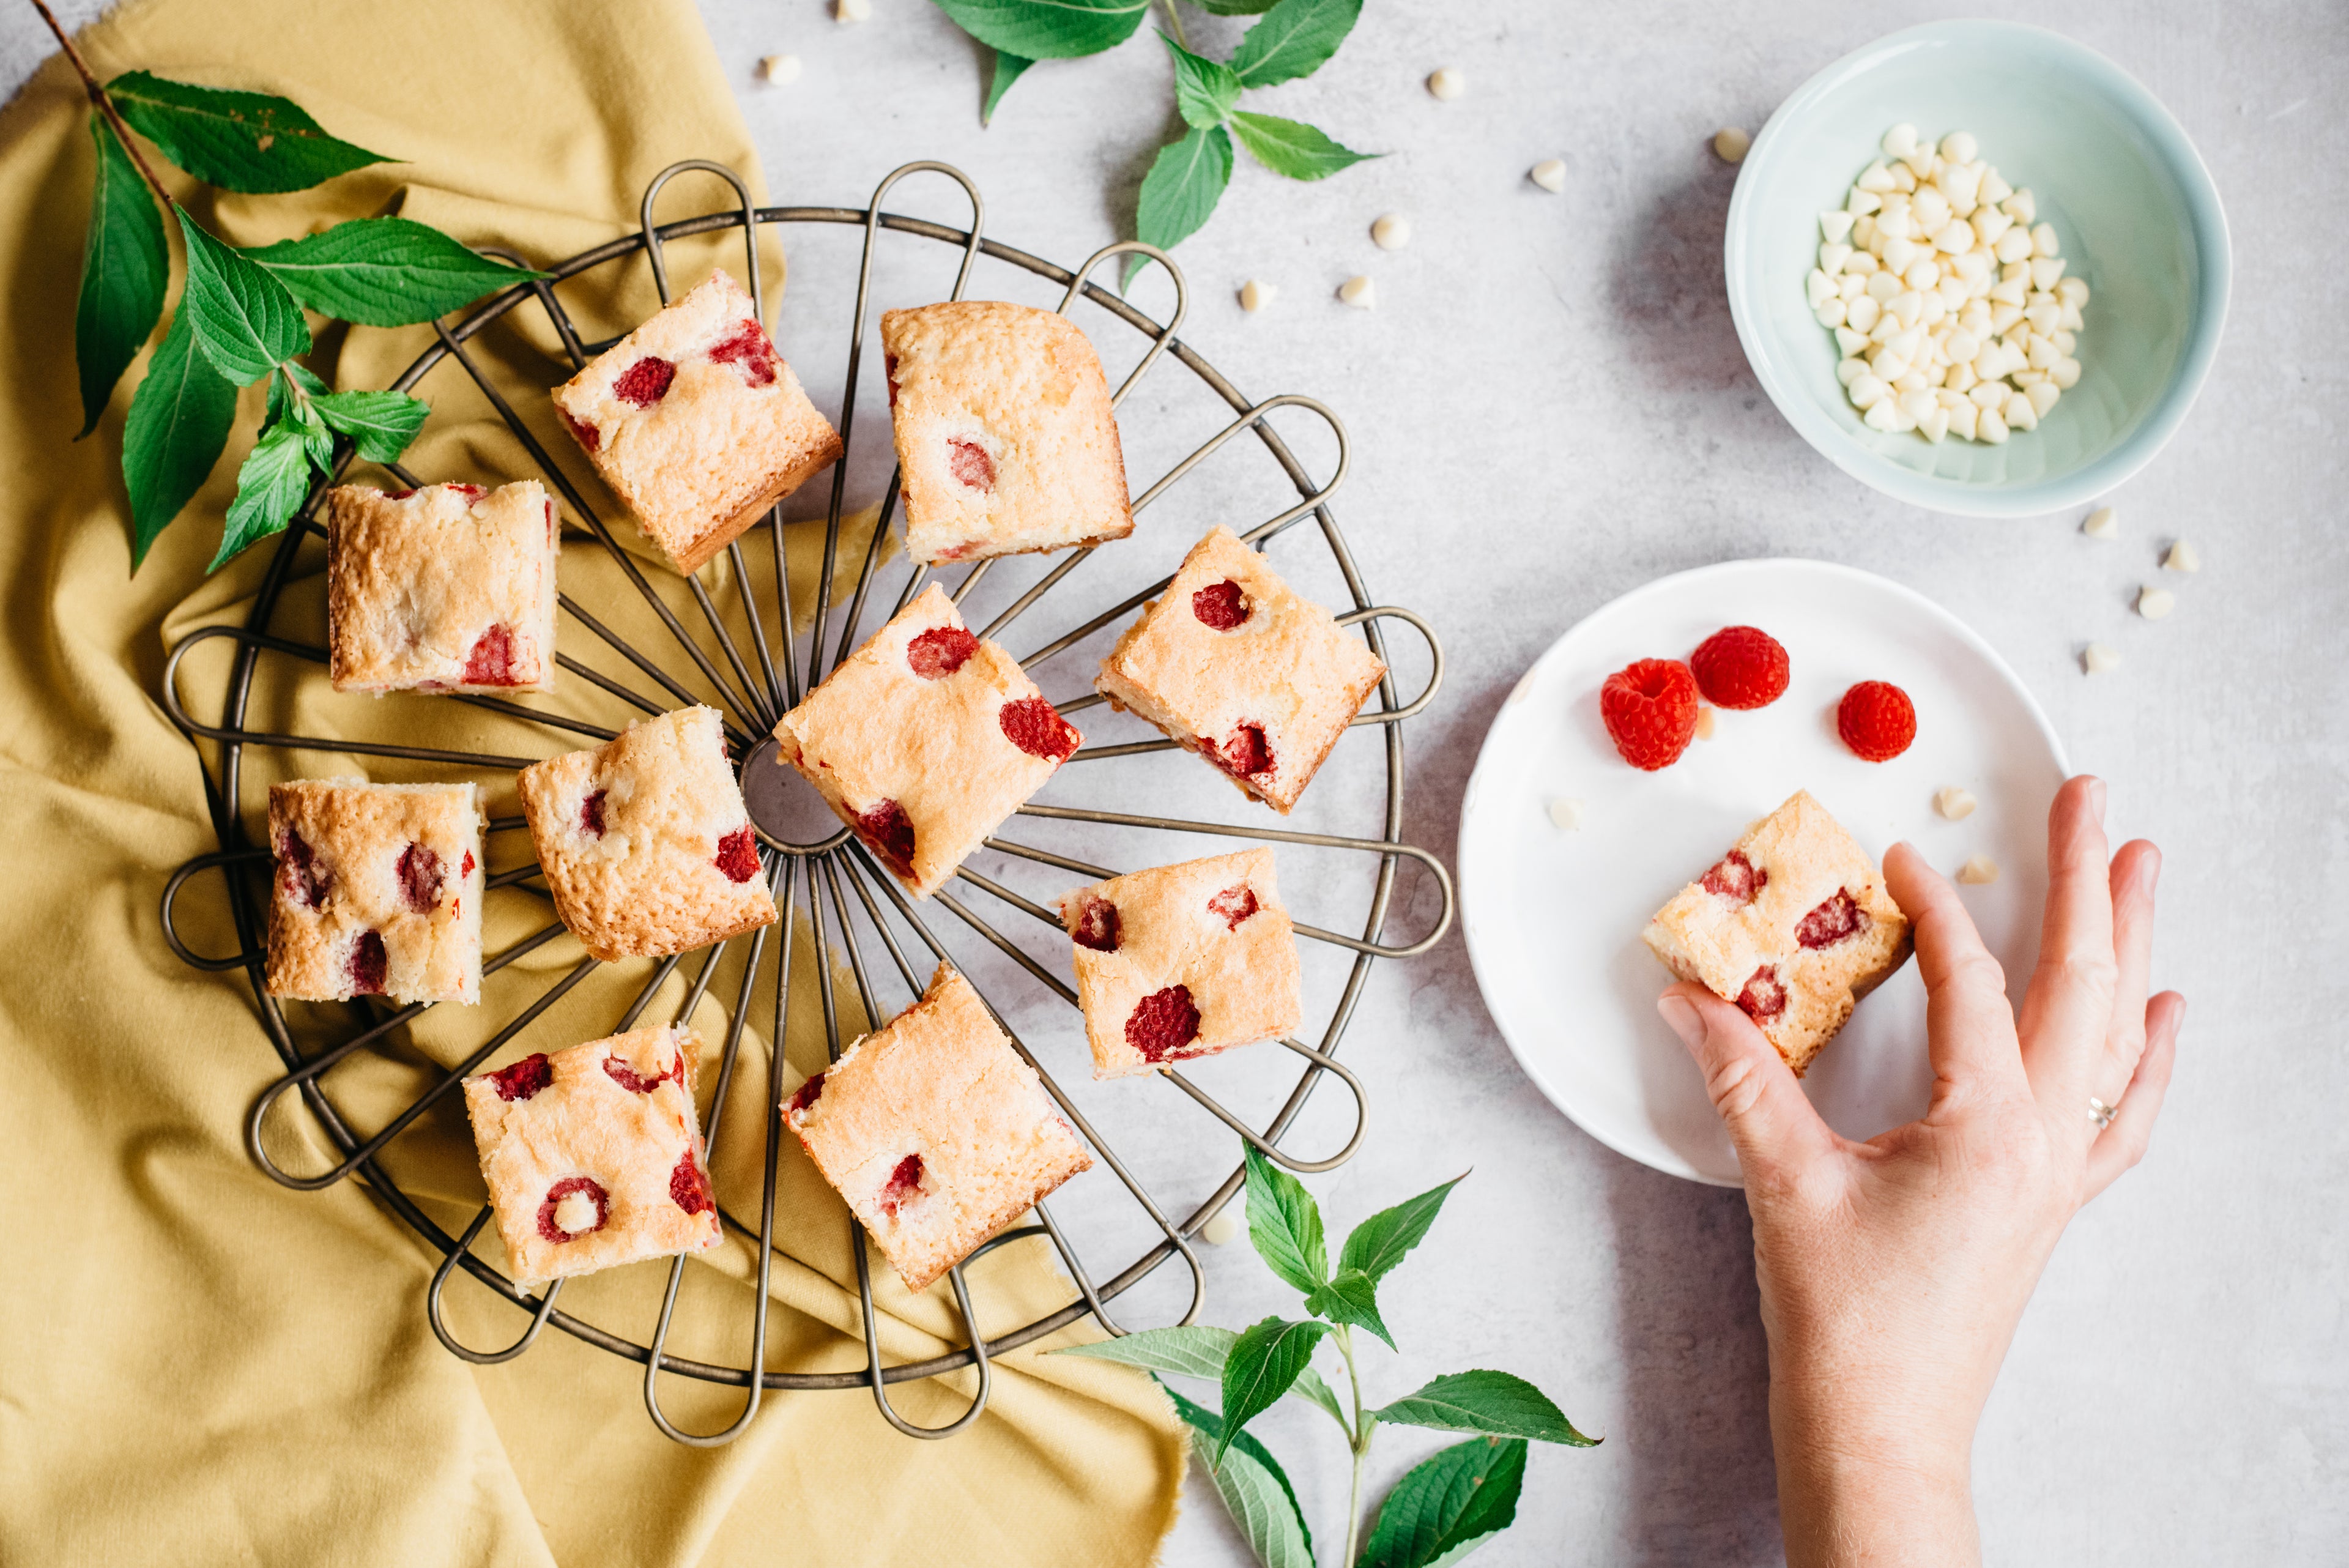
1446 1504
1295 39
1240 1479
1233 8
1293 148
1265 1361
179 425
384 271
246 141
317 441
307 377
281 389
1497 1404
243 318
1008 69
1047 30
124 268
269 489
1350 1297
1285 1223
1204 89
1186 180
1377 1245
1192 1352
381 424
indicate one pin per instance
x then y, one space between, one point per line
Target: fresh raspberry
370 965
583 431
890 832
1650 707
1740 667
1234 905
420 877
905 1185
806 1095
1097 925
968 461
1877 720
1736 879
645 382
749 347
628 1078
491 662
1246 755
524 1078
1838 919
1221 606
564 1189
305 880
737 856
940 651
1163 1022
591 815
688 1185
1036 727
1763 997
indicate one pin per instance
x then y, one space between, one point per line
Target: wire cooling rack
831 880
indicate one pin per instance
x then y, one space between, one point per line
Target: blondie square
1793 925
377 891
935 1131
446 588
645 841
1004 432
697 424
925 739
593 1155
1235 666
1182 960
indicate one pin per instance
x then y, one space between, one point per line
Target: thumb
1775 1127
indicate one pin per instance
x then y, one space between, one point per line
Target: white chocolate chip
1900 140
2100 658
1447 84
575 1212
2154 602
1704 720
1361 293
1954 803
780 69
852 10
1977 870
1391 232
1255 295
2104 522
1550 175
1224 1229
2182 557
1834 227
1731 144
1566 815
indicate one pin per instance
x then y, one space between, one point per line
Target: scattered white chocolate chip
1954 803
1224 1229
1567 815
1361 293
2100 658
780 69
1447 84
1978 871
575 1212
1256 295
1550 174
1731 144
2154 602
852 10
2182 557
1391 232
1704 720
2104 522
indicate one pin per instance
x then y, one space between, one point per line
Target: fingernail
1684 1020
2097 799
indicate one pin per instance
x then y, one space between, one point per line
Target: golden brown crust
1025 386
415 582
938 1085
650 882
340 844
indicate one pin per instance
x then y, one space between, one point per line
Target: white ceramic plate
1553 917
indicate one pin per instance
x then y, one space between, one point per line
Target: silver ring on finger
2100 1112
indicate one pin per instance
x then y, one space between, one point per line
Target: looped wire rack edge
827 875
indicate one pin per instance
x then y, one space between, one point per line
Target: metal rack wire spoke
755 660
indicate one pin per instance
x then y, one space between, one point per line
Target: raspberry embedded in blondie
925 739
935 1131
1238 667
377 891
1004 432
446 588
1182 960
594 1155
644 841
697 424
1793 925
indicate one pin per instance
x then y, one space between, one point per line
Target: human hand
1893 1272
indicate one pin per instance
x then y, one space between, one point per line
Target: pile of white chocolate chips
1946 296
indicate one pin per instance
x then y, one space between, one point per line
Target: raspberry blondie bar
377 891
446 588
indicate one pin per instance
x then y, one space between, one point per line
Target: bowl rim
1933 491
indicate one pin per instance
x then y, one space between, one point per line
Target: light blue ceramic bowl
2134 207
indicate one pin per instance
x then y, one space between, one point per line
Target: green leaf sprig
240 318
1444 1506
1293 39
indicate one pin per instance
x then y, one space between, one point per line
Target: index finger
2068 1007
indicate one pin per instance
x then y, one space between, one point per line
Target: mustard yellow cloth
199 1366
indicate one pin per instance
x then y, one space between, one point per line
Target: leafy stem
1359 1440
105 105
1174 20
